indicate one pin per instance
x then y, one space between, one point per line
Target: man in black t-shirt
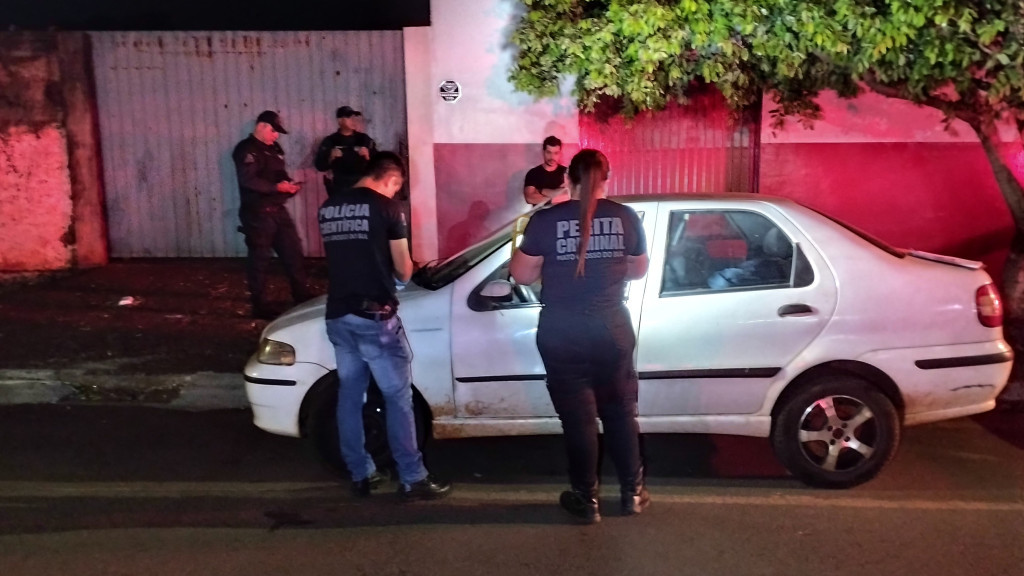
547 180
343 155
366 242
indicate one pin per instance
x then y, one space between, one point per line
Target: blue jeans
363 347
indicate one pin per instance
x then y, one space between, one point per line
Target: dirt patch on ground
183 316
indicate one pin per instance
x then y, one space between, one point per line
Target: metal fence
682 149
172 106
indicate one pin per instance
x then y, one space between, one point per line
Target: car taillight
990 307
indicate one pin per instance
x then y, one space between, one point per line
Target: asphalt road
107 490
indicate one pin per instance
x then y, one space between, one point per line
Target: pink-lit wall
480 188
889 168
51 202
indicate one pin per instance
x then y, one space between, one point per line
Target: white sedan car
758 317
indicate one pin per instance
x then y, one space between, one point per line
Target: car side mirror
497 291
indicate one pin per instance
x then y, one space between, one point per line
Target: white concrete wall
470 46
419 97
468 157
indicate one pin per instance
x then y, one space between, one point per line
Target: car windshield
873 240
437 275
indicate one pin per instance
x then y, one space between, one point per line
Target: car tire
836 433
320 426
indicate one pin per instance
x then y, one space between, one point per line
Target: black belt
373 311
378 316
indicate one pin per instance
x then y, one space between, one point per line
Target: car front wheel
320 425
836 433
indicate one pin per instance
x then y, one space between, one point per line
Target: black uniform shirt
260 167
555 234
542 179
349 167
357 230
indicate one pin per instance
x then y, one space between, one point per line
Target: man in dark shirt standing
366 242
265 186
547 180
343 155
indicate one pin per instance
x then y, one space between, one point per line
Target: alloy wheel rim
838 433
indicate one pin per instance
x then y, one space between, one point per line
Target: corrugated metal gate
172 106
682 149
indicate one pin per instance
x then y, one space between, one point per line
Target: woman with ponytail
586 250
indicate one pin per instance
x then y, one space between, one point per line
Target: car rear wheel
320 426
836 433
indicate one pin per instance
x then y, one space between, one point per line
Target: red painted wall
937 197
480 188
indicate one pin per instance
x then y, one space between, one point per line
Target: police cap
272 118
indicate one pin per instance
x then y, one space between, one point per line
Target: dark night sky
213 14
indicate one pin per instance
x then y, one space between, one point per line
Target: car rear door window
710 250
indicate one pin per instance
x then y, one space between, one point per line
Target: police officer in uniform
366 242
585 250
343 155
265 186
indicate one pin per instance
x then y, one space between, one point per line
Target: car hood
314 309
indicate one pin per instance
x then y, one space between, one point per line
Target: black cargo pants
267 230
588 357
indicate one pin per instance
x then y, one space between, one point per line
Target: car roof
723 196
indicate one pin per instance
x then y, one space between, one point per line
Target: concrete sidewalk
196 391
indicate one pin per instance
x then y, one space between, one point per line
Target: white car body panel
481 375
723 330
498 372
494 354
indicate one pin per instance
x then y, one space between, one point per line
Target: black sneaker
362 488
581 506
429 488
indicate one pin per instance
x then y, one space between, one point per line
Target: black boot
635 501
582 504
634 494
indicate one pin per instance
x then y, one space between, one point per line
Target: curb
199 391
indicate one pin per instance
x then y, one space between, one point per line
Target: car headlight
277 353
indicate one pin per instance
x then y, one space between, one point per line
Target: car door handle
795 310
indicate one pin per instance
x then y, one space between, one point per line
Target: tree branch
948 107
872 82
